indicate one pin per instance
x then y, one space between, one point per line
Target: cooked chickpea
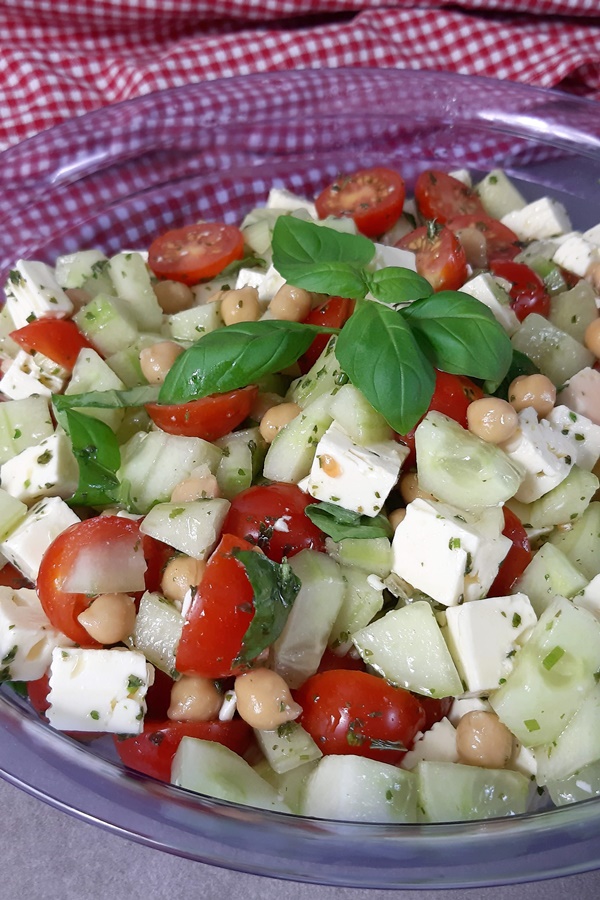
194 699
264 700
277 418
173 296
483 740
410 490
196 487
181 573
155 361
396 517
291 303
240 305
492 419
593 276
592 337
110 618
536 391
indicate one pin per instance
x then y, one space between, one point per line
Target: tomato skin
440 196
334 313
435 709
331 660
452 396
152 751
528 292
12 578
219 615
254 512
372 197
157 555
59 339
62 608
345 711
501 242
195 252
209 418
440 257
518 558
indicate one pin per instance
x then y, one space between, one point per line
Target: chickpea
240 305
410 490
396 517
591 338
264 700
181 573
536 391
593 276
173 296
156 360
492 419
276 418
194 699
110 618
483 740
196 487
291 303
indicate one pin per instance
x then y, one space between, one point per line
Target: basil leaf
340 523
236 356
137 396
97 453
377 350
459 334
275 588
396 285
520 365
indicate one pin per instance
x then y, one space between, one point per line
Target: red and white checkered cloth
61 58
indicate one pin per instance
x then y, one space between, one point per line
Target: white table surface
48 855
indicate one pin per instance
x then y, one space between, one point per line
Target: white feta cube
484 636
544 218
593 235
577 254
485 288
250 278
543 453
581 393
98 690
25 546
462 705
583 433
355 477
48 469
33 292
449 554
523 760
24 377
27 637
462 175
392 256
279 198
436 745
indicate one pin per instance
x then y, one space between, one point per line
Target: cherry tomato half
440 196
272 517
451 396
518 558
440 257
500 241
219 615
209 417
12 578
108 537
59 339
528 292
351 712
152 751
372 197
195 252
334 313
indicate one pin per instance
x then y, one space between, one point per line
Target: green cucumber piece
324 377
452 792
191 324
580 543
131 278
192 528
575 747
549 574
74 269
157 631
243 455
108 323
360 605
371 555
23 423
557 355
572 311
12 513
289 785
92 373
287 747
290 456
357 417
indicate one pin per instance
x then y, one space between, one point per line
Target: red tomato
440 196
332 314
501 242
158 697
518 558
195 252
440 257
528 291
331 660
219 616
101 534
348 712
152 751
254 513
157 555
452 396
38 691
372 197
12 578
209 418
435 709
59 339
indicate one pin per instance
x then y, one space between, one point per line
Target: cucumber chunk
157 631
452 792
287 747
557 355
580 543
549 574
577 746
193 527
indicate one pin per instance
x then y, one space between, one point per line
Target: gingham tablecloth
62 58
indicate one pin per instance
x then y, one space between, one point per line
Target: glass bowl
118 176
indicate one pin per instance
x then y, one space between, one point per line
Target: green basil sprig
340 523
96 450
